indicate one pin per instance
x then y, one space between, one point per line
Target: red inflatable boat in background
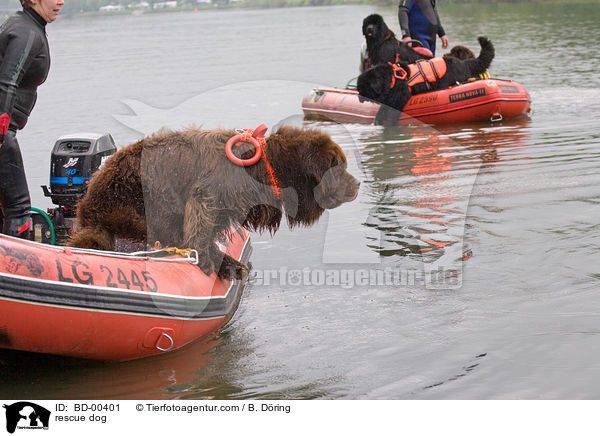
480 100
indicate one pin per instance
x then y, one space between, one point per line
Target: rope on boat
189 255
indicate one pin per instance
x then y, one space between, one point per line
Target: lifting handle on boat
171 342
496 116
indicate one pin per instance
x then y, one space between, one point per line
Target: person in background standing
419 20
24 65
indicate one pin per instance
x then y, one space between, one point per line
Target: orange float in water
480 100
110 306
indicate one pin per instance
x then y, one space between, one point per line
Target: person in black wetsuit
419 20
24 65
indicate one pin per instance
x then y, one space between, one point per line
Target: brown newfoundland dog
181 189
461 52
393 85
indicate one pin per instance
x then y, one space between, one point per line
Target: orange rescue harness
257 138
423 71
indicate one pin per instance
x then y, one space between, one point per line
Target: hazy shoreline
76 8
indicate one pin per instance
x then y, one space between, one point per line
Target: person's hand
444 41
4 123
407 39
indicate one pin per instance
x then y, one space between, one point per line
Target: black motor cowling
73 161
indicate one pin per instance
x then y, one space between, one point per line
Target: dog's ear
382 29
379 21
364 86
375 82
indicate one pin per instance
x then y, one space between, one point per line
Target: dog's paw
231 269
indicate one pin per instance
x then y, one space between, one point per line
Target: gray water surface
511 209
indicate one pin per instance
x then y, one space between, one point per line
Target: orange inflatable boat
107 305
480 100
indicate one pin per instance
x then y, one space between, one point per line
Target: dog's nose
352 189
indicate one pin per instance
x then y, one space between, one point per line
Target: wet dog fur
179 188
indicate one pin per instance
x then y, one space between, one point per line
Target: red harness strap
397 73
390 34
275 185
258 139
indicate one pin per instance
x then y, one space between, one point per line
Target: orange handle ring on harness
235 140
399 72
395 69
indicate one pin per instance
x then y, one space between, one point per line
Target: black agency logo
26 415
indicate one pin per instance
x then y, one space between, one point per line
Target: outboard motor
73 161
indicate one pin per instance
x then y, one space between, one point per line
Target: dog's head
377 84
311 163
374 28
374 84
461 52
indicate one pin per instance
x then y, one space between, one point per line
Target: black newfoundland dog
392 85
382 44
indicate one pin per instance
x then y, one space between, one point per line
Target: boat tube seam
117 312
